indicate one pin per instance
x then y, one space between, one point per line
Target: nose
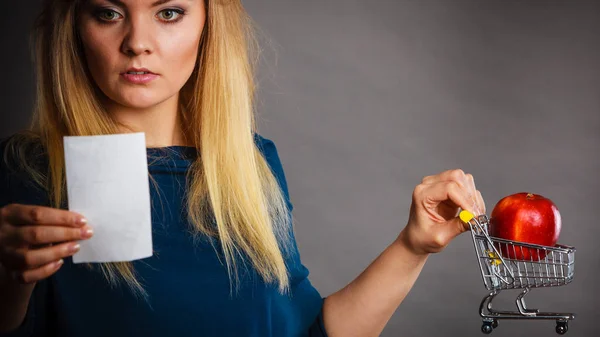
138 38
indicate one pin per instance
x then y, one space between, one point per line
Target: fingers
457 175
25 259
39 235
436 201
37 274
442 191
17 215
476 195
434 223
477 204
480 202
26 231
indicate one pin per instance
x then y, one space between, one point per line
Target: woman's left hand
436 202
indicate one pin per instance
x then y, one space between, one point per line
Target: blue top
188 287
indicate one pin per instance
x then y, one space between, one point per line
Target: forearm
364 306
15 299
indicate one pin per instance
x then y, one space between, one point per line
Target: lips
138 76
138 71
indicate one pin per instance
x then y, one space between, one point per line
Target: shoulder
20 156
8 157
265 145
8 170
18 149
269 151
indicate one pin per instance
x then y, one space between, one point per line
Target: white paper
107 182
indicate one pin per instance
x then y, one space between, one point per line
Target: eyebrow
159 2
156 3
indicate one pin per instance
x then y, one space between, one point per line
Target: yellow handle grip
466 216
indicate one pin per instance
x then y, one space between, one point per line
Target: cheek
98 54
181 51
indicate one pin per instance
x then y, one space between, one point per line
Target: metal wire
509 264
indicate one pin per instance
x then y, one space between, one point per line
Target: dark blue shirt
188 287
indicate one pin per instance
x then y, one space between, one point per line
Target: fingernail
81 221
74 248
58 263
87 232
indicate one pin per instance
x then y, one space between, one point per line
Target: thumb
447 231
456 226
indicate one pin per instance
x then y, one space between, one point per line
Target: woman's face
141 52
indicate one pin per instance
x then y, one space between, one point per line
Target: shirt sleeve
34 324
4 178
317 329
269 150
35 316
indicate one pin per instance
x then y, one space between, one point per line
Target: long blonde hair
230 181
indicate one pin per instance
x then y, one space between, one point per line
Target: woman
225 260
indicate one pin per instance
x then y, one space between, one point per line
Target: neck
161 123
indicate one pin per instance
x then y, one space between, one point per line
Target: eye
108 15
170 15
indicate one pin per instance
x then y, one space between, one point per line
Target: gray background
364 98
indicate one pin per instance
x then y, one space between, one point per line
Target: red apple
527 218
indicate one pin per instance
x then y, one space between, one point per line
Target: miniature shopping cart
508 264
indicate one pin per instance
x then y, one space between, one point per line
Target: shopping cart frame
520 266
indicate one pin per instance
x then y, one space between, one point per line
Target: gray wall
364 98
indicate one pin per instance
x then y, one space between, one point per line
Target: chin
141 100
139 104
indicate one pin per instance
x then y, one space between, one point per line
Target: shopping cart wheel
487 328
495 324
562 328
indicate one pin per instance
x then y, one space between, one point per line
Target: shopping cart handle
466 216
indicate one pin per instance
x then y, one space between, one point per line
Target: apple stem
529 196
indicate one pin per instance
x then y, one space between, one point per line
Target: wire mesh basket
509 264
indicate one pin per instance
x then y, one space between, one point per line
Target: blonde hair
231 180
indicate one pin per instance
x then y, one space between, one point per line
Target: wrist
405 240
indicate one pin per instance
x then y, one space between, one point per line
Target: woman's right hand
35 239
